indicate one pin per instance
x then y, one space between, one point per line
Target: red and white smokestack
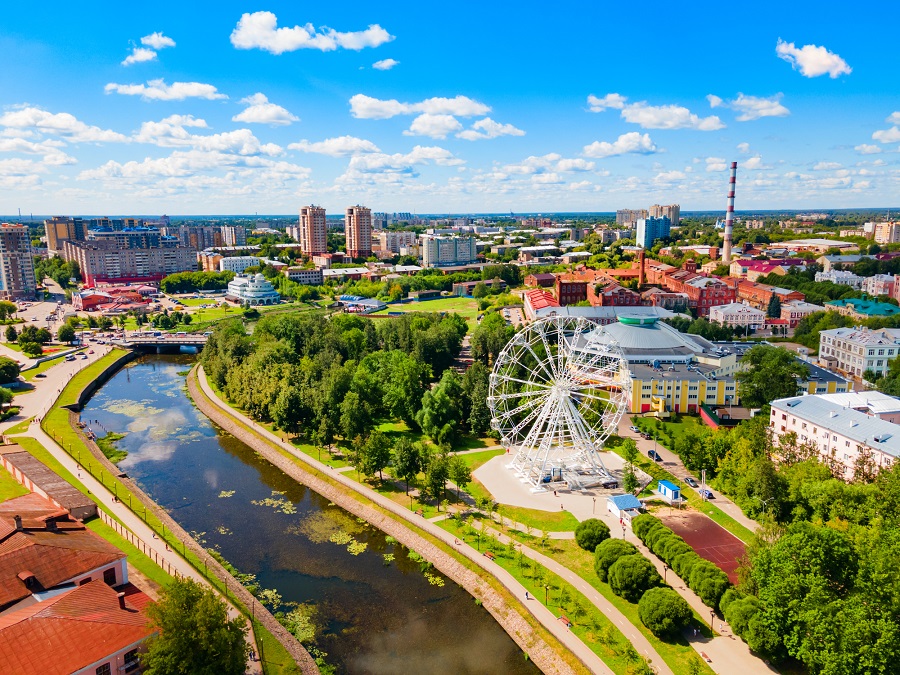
729 216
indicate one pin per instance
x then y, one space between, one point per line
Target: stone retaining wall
521 631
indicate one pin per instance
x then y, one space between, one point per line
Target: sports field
467 308
710 540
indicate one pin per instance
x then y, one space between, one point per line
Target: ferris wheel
557 391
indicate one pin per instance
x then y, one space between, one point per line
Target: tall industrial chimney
729 216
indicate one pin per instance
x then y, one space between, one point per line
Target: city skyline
585 109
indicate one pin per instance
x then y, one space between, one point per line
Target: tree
436 475
480 290
376 454
607 552
195 635
32 349
6 396
66 333
774 309
441 412
590 533
771 373
631 575
289 409
9 370
630 453
7 309
11 334
356 418
490 337
407 460
460 473
664 612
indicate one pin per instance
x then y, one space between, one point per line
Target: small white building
842 278
300 275
738 314
252 291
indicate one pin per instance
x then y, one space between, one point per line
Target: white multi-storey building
887 233
843 436
842 278
301 275
253 290
394 241
879 284
238 264
738 314
856 350
439 251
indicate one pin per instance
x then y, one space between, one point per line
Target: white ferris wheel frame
539 415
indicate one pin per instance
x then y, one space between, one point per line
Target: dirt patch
709 539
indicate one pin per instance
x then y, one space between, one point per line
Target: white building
879 284
301 275
843 436
393 241
795 310
252 290
856 350
842 278
738 314
872 403
438 251
239 263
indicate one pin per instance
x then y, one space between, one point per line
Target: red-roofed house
90 630
536 299
613 295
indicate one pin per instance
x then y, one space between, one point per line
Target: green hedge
608 552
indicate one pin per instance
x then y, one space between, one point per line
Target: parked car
646 437
635 429
654 455
39 375
693 483
707 494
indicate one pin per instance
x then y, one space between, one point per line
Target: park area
708 539
467 308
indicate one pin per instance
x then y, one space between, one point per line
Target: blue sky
469 107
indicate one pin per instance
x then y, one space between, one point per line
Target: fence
139 543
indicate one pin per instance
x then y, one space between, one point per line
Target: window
104 670
847 444
131 661
109 576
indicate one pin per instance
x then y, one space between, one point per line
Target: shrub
608 552
631 575
642 524
655 533
729 596
739 612
675 548
709 582
664 612
591 533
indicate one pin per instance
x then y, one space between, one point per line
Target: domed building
252 290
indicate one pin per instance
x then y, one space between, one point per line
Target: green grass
9 486
476 459
467 308
551 521
20 427
141 561
43 366
673 430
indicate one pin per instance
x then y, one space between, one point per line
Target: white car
635 429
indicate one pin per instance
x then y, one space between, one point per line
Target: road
673 464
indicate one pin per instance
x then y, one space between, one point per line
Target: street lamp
594 507
712 616
547 594
665 571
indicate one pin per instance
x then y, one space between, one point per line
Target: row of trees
190 282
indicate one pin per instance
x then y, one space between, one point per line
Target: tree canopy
770 373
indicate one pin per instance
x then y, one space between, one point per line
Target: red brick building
540 280
702 292
613 295
759 295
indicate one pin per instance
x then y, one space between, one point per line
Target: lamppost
594 507
712 616
665 573
547 594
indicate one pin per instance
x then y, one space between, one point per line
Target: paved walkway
104 496
673 464
549 620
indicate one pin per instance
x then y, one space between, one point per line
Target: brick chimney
18 520
121 597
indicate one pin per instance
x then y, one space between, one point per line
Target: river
377 610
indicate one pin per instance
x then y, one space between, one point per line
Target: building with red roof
536 299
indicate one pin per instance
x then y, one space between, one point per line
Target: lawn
467 308
20 427
9 486
673 430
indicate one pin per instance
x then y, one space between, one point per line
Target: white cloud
158 90
893 118
616 101
751 107
714 164
173 131
668 117
743 148
669 177
488 128
755 163
259 31
826 166
551 163
632 142
366 107
157 41
260 110
58 124
891 135
812 61
384 168
385 64
866 149
139 55
433 126
340 146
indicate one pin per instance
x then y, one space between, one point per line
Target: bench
705 657
565 621
489 555
420 512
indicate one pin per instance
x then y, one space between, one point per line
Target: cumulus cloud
260 110
716 164
743 148
655 117
173 131
826 166
866 149
139 55
893 118
488 128
158 90
340 146
596 104
385 64
367 107
551 163
811 60
669 177
751 107
755 163
152 44
63 125
891 135
433 126
384 168
259 30
157 41
632 142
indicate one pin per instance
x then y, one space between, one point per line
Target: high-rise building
197 237
672 211
887 233
234 235
358 230
61 229
650 229
102 261
16 263
394 240
629 217
437 250
313 238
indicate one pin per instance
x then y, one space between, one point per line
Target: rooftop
868 336
867 307
873 401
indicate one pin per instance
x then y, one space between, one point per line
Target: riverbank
548 643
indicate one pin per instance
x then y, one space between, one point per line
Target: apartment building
312 231
650 229
439 251
702 292
795 310
630 217
234 235
879 284
670 211
887 233
17 280
856 350
302 275
759 295
61 229
358 231
392 241
844 437
101 261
